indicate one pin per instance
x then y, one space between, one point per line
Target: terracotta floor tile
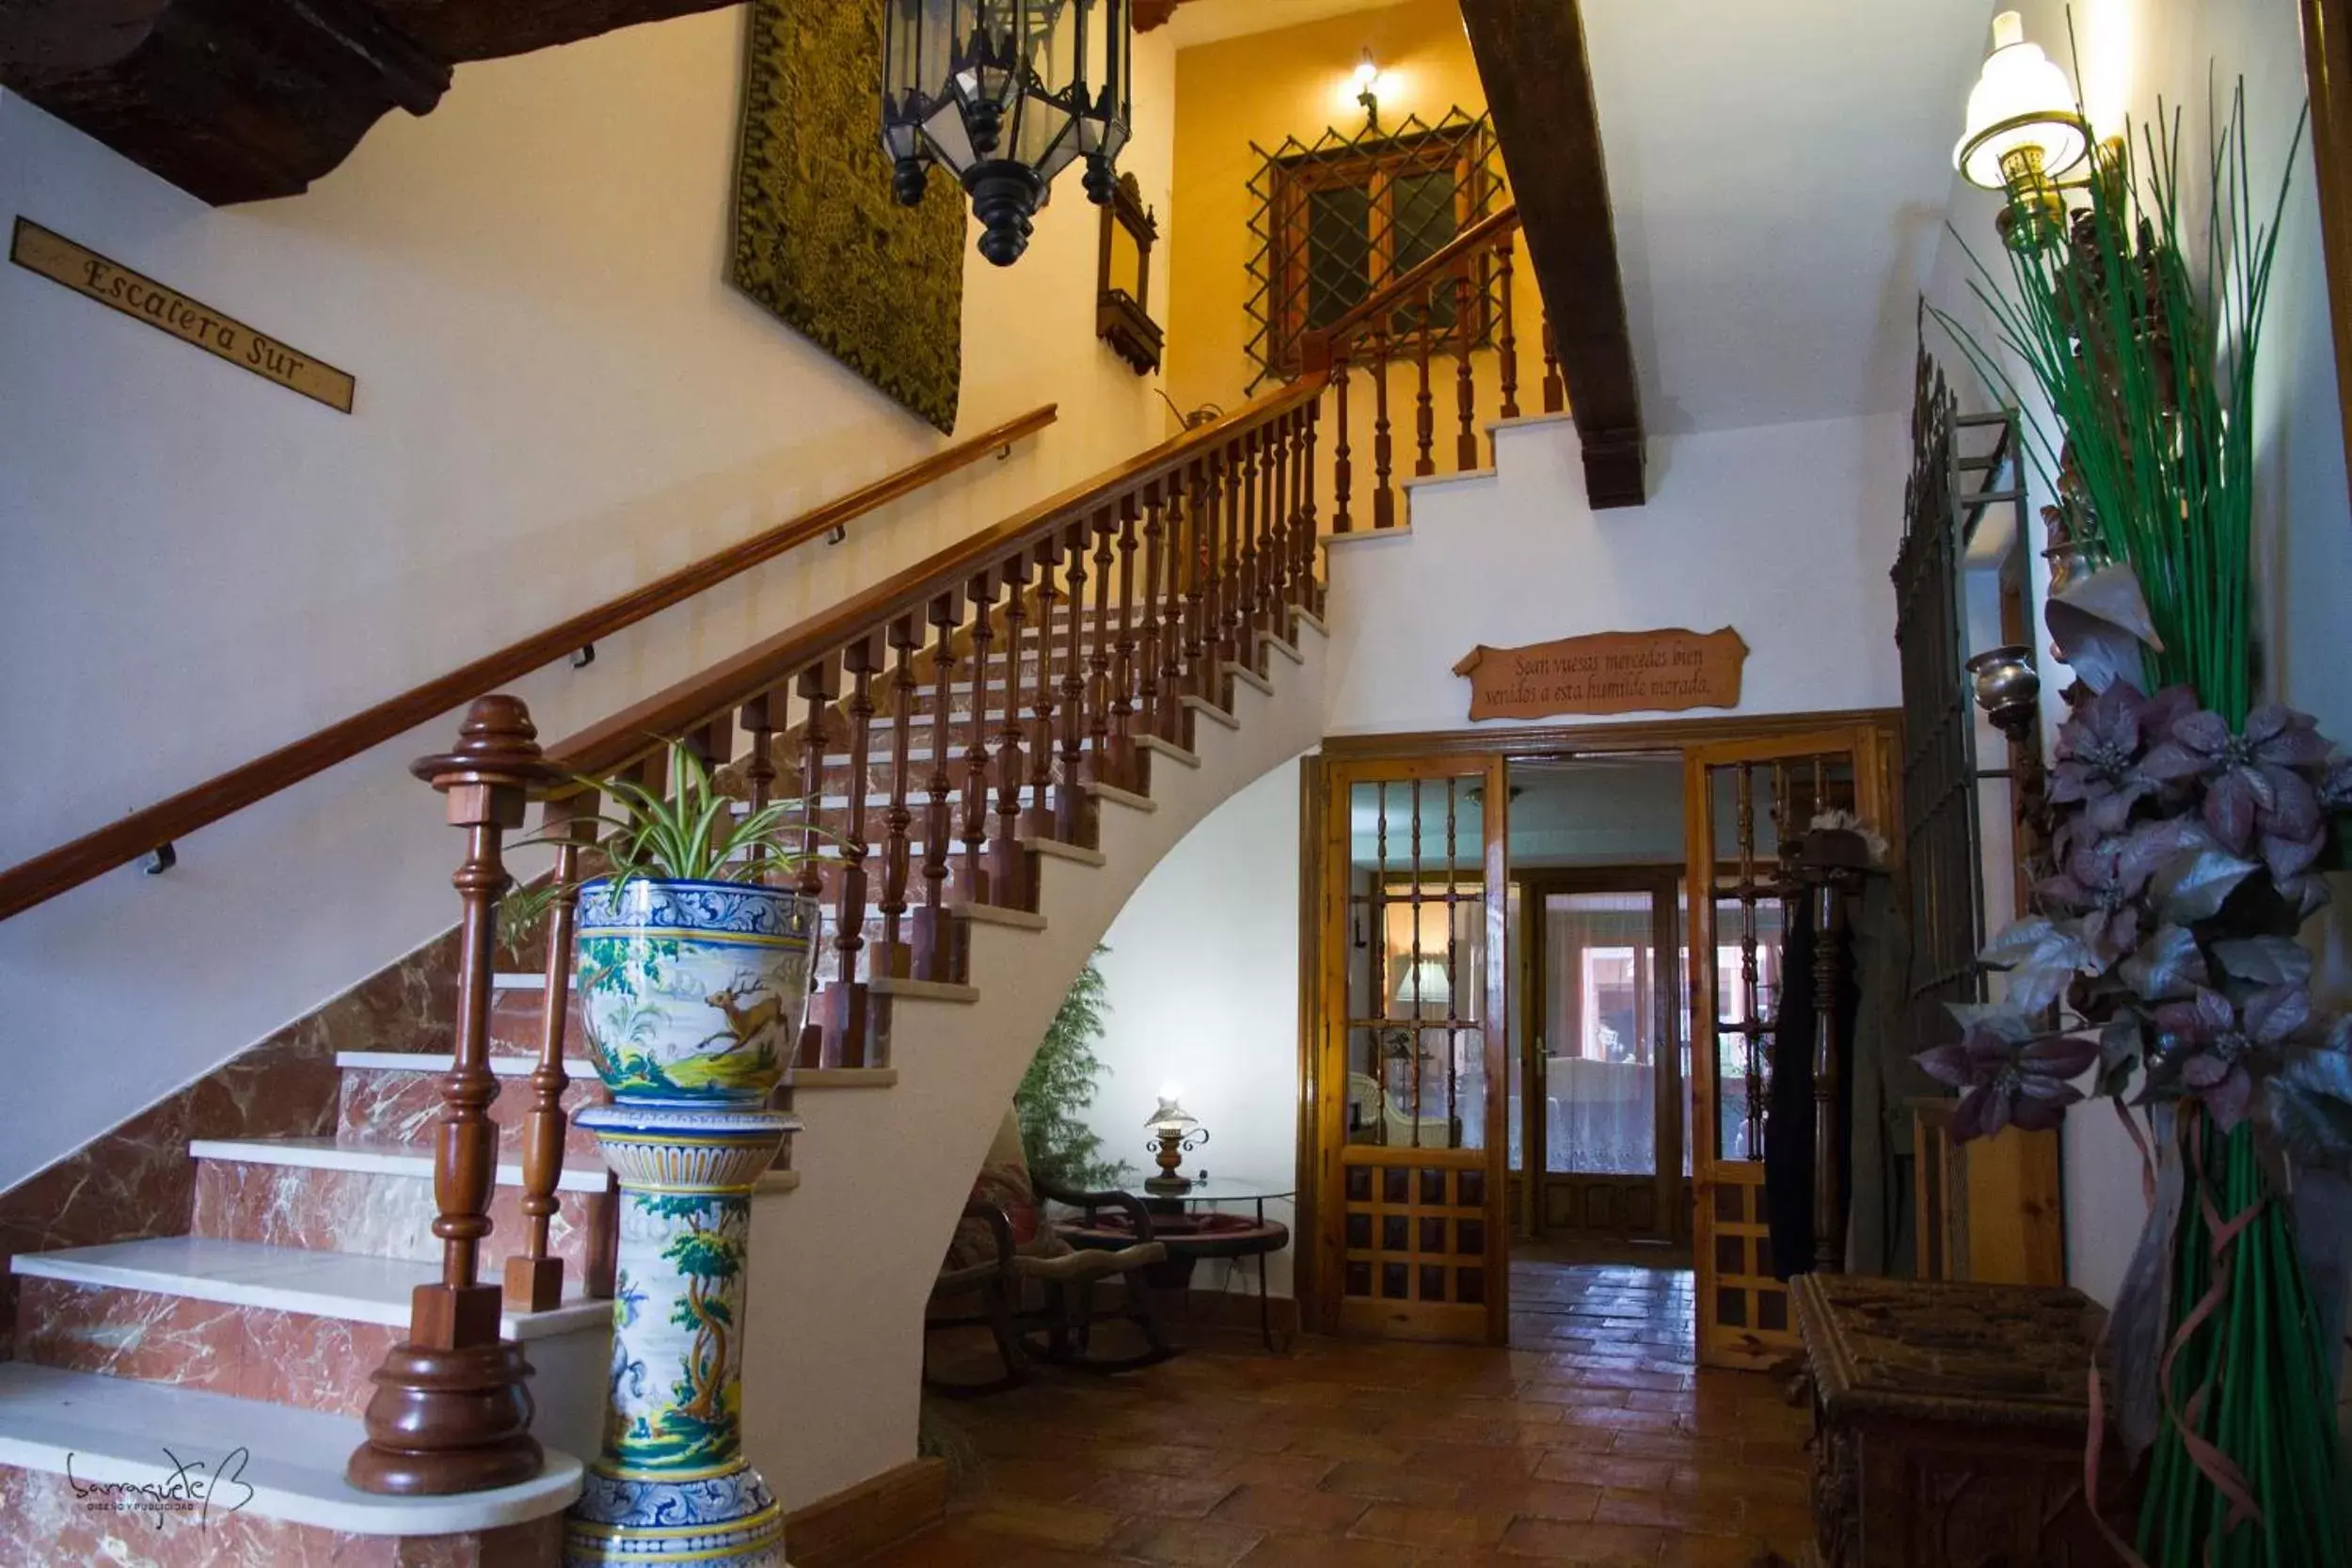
1184 1542
1291 1508
1057 1524
1330 1551
1287 1468
1600 1546
1610 1469
1431 1529
1389 1483
1538 1499
1177 1497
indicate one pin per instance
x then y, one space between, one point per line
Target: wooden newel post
1828 864
451 1410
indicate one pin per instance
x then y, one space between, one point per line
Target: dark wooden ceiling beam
243 99
1539 86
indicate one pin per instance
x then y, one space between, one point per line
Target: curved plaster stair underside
842 1270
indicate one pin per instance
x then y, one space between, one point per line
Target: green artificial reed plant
2190 824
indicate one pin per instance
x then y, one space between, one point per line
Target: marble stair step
284 1324
374 1197
272 1476
395 1096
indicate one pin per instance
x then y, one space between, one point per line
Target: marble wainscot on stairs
192 1400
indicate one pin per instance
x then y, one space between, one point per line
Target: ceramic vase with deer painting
692 993
672 1485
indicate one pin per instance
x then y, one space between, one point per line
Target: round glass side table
1193 1230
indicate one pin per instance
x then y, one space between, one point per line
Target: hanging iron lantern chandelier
1005 94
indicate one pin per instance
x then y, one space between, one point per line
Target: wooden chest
1949 1420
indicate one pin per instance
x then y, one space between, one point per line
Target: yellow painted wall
1261 87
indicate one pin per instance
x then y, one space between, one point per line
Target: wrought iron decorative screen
1939 767
1338 219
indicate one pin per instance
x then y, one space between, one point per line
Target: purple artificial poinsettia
2105 752
2010 1074
2251 779
2105 882
2213 1046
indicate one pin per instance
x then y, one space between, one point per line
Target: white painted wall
1785 533
1202 975
2131 52
559 398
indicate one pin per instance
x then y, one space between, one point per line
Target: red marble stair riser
254 1353
49 1526
390 1216
515 1017
383 1106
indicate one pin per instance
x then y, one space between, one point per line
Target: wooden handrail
93 854
603 748
1405 285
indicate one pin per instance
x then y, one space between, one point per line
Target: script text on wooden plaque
86 272
1610 671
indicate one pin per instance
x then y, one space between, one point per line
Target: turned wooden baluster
1242 611
982 591
534 1277
1224 632
818 685
1283 517
1208 521
450 1412
1383 443
1168 709
841 1006
1341 471
1070 800
893 958
761 717
1148 651
1008 866
1506 340
1465 396
1425 408
1117 765
1310 562
935 946
1037 822
1556 393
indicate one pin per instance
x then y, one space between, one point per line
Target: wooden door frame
1528 743
1663 882
1320 1251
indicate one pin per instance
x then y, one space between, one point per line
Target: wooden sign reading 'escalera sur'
1609 672
82 270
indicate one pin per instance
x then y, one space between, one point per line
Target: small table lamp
1174 1131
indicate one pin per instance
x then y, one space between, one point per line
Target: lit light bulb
1366 72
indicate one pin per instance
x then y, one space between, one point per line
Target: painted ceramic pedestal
672 1485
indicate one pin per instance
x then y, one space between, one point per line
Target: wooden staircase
1003 741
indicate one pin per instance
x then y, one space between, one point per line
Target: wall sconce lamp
1368 77
2024 132
1175 1133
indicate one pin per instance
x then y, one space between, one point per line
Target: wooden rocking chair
1004 1252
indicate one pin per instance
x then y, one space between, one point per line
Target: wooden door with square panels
1412 1231
1743 800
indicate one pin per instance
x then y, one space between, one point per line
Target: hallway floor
1592 1441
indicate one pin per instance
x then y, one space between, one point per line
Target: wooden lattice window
1337 220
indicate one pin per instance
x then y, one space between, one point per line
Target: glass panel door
1413 1123
1742 802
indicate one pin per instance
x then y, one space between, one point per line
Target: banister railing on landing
158 826
1460 298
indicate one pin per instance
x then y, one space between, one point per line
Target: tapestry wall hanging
819 241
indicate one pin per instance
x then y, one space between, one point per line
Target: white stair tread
1127 798
582 1173
270 1461
1356 536
992 914
1055 849
1208 709
923 991
1460 476
350 1286
1243 672
1287 649
1170 750
510 981
1309 618
578 1068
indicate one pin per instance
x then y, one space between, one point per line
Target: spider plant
692 834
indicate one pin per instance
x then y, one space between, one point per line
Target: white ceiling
1779 174
1208 21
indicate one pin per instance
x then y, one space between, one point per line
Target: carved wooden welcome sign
1609 672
